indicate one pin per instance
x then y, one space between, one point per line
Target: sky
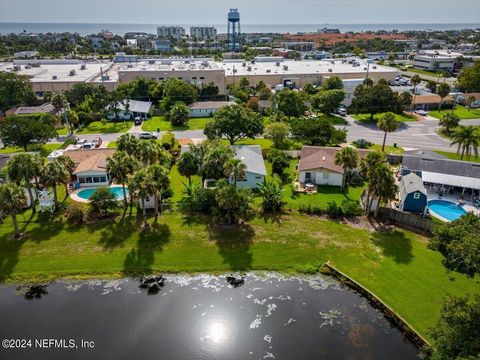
252 11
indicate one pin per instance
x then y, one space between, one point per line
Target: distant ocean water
86 29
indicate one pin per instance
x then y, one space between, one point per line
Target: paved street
410 135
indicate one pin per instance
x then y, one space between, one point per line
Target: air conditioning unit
151 61
54 77
105 77
269 71
285 67
277 63
16 68
83 67
249 68
374 67
330 70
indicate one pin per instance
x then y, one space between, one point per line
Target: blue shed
412 194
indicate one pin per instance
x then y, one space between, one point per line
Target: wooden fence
405 219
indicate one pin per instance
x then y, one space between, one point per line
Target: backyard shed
412 194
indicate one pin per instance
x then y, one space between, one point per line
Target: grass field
96 127
455 156
399 117
44 149
388 149
461 111
159 122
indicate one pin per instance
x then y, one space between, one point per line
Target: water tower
233 30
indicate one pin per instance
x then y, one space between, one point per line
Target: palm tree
128 143
415 80
383 185
348 159
442 90
22 169
70 166
468 140
140 184
160 182
235 169
271 193
12 197
188 166
147 152
387 123
448 122
367 169
54 173
120 166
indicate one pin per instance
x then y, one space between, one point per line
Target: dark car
138 120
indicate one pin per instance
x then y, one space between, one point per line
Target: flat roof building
435 60
203 32
175 32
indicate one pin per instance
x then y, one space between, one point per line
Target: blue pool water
446 209
87 193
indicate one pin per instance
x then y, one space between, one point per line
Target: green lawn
44 149
264 143
399 117
96 127
423 72
455 156
388 149
461 111
62 131
159 122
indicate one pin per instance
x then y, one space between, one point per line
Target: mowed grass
44 149
461 111
159 122
388 149
456 156
96 127
395 264
399 117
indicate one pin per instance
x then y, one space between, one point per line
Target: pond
198 317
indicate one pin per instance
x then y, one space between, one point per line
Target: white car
421 112
147 135
342 111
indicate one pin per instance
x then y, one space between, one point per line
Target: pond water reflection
201 317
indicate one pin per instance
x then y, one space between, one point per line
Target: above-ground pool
446 210
115 190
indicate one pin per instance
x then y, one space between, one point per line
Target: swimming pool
115 190
445 210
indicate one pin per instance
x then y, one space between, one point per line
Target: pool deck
75 197
467 206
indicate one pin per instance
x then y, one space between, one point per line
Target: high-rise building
166 32
203 32
234 33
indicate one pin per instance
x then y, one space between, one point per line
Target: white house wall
251 181
322 177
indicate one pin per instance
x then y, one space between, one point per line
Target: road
410 135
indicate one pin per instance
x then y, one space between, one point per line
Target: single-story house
135 108
46 108
317 166
91 165
251 156
206 108
412 194
430 102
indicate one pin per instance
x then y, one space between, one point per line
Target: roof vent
323 158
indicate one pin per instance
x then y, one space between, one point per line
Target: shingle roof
90 160
209 105
319 157
431 99
251 156
411 183
442 166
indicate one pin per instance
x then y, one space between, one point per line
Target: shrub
333 210
354 179
102 201
75 214
279 161
362 144
351 208
168 140
311 209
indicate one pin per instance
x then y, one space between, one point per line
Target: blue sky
252 11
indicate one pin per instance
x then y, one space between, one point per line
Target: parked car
421 112
342 111
80 142
147 135
88 145
138 120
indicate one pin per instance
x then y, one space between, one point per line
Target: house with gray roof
132 110
412 194
251 156
206 108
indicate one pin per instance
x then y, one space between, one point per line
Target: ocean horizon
120 29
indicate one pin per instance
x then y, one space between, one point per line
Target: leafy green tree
317 132
178 114
53 174
102 201
128 143
25 130
448 122
443 90
120 166
310 89
468 140
253 104
278 132
332 83
141 186
23 169
328 101
432 86
233 204
387 124
188 165
234 122
271 193
78 92
235 169
347 158
15 90
160 182
459 243
290 103
374 99
208 92
456 335
12 197
469 78
279 161
265 93
176 91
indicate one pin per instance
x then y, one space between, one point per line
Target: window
81 180
258 178
325 175
416 196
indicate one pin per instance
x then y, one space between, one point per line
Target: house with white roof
132 110
251 156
